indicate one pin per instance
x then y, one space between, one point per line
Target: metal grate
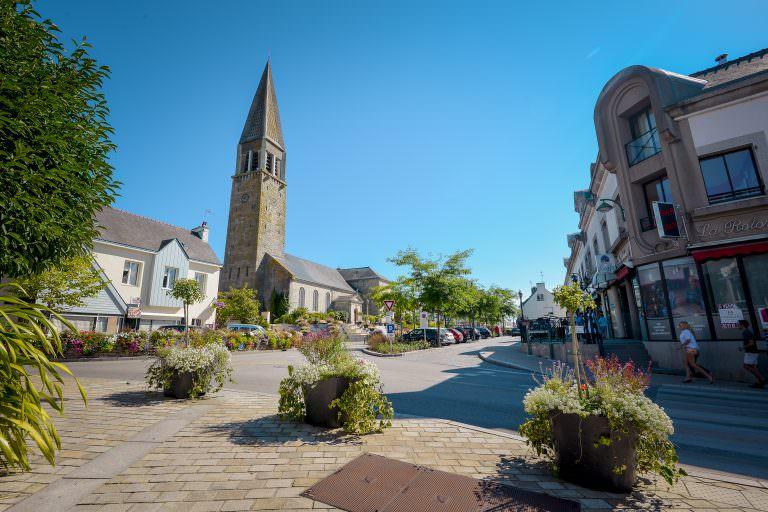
372 483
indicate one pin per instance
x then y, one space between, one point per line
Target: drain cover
372 483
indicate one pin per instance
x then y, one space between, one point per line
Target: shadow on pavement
271 430
135 398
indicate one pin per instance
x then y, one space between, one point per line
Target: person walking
750 354
602 327
690 353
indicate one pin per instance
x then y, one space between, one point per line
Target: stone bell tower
257 203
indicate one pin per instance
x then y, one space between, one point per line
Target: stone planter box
181 385
588 452
318 397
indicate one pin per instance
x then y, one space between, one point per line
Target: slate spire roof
263 120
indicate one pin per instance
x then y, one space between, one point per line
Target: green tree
54 142
188 292
279 304
438 283
401 291
66 285
573 299
238 305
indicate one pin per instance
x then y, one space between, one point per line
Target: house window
169 277
604 234
201 279
196 322
540 297
595 246
731 176
131 272
101 324
301 297
645 137
656 190
315 300
327 301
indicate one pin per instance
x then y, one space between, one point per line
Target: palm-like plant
29 379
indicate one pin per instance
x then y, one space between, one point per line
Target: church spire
263 120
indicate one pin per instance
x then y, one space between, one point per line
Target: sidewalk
134 451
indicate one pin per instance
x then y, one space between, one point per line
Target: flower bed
380 343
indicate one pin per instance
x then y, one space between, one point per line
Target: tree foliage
238 305
188 292
54 143
279 304
66 285
574 299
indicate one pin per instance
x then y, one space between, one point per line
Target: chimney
721 59
201 231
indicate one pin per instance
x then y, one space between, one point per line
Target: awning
622 273
730 251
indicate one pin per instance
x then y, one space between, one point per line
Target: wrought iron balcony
643 147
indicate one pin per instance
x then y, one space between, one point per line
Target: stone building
363 280
254 254
688 153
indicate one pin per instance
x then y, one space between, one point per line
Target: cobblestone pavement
136 451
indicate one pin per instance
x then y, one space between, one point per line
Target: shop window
686 299
654 302
656 190
730 176
756 270
727 298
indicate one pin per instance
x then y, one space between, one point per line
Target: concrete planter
318 398
181 385
588 452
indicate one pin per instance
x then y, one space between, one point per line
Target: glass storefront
654 302
686 300
756 272
727 298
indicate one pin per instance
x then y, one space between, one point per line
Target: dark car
515 331
446 338
484 332
469 333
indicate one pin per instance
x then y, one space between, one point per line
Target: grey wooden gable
106 302
171 254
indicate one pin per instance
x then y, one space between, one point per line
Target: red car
458 335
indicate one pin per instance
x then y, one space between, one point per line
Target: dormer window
645 137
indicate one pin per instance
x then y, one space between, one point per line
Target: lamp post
605 206
523 328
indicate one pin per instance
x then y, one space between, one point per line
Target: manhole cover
372 483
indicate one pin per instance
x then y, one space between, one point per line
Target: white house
141 259
541 304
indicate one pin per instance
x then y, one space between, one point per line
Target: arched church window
327 301
314 300
301 297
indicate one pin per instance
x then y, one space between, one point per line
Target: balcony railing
735 194
645 146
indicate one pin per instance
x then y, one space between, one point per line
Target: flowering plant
363 407
207 364
614 390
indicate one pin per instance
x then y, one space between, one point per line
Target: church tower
257 203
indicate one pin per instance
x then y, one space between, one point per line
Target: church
254 254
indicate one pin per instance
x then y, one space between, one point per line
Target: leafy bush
399 348
132 342
318 348
209 363
376 340
615 392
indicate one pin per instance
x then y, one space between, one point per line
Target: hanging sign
133 311
423 320
666 219
730 314
762 315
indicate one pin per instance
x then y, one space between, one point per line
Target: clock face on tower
244 198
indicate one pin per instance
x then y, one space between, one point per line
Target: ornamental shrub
211 366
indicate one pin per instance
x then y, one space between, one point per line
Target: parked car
484 332
249 329
515 331
446 338
457 334
469 333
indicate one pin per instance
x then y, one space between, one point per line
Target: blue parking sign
390 328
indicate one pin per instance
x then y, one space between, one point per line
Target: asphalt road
448 383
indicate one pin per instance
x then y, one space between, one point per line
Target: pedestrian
602 325
690 353
750 354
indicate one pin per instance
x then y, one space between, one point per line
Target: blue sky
438 125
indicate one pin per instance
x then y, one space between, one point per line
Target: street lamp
605 206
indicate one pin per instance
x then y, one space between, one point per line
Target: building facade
364 280
141 259
541 304
690 157
254 254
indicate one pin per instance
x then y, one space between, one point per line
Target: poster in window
730 314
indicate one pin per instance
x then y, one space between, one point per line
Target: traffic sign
390 328
389 304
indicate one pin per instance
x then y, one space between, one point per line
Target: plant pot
181 385
318 398
588 452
